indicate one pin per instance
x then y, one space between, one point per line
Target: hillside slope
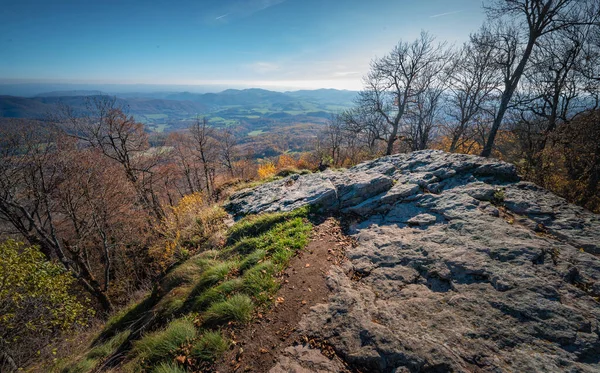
459 266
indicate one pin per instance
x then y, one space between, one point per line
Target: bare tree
394 83
227 150
538 18
471 86
120 138
205 150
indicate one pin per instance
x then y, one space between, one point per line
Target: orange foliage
286 161
266 170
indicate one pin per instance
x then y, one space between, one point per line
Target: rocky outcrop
459 266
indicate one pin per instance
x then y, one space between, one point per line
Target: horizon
278 45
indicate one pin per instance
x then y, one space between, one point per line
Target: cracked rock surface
463 268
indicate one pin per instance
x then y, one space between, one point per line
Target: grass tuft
253 259
210 346
168 368
162 344
106 349
237 308
260 281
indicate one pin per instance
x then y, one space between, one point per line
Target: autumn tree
106 127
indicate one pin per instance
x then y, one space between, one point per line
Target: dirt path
303 285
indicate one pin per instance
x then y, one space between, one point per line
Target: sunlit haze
275 44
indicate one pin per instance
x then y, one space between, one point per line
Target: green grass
260 281
210 346
217 294
237 308
162 344
83 366
215 274
253 226
108 348
168 368
215 287
253 259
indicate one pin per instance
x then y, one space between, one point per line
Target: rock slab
462 268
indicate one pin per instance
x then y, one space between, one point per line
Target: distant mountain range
167 110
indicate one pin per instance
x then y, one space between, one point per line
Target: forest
95 209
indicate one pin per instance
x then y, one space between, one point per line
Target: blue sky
262 43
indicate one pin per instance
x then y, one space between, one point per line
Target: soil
257 346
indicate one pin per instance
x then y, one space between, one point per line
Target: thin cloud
241 9
446 14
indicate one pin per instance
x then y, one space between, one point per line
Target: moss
162 344
210 346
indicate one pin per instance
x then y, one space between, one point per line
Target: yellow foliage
187 225
286 161
266 170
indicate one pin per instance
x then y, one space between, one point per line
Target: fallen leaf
180 359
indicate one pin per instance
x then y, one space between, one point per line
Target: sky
276 44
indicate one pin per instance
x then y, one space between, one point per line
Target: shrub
266 170
36 301
210 346
238 308
162 345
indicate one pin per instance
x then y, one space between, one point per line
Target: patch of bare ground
258 345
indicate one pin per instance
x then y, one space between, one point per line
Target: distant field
256 133
159 127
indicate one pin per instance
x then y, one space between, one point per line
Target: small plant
498 197
162 345
210 346
238 308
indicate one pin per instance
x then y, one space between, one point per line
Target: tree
36 303
204 145
539 18
394 83
471 86
119 137
227 150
